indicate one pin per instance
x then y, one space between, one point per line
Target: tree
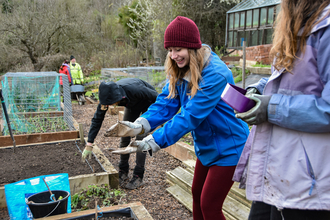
209 16
40 28
145 22
7 6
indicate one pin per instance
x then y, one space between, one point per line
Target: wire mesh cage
33 101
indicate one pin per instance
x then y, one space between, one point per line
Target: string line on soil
81 153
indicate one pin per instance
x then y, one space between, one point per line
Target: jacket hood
110 93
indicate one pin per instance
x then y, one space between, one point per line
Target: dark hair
66 61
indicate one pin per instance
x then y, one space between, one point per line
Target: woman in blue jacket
191 102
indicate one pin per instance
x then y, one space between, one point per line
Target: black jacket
135 94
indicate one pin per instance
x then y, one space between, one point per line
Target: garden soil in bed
37 160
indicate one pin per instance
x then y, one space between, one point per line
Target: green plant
86 198
40 124
93 76
158 77
234 55
218 50
237 74
258 64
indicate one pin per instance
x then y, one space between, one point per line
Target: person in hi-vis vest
76 72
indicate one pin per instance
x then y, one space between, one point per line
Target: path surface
252 78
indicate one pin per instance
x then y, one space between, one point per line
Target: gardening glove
147 144
87 151
257 114
251 91
124 129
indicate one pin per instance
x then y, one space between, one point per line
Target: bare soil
153 195
37 160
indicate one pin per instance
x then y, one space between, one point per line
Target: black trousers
131 115
263 211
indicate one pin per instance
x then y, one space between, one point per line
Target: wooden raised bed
110 176
137 211
26 139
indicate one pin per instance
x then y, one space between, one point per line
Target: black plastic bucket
43 207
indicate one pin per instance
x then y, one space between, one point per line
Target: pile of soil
153 195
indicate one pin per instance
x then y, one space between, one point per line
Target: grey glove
251 91
259 113
148 144
124 129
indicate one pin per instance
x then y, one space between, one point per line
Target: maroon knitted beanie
182 32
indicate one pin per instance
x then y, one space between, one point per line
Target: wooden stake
81 134
95 209
244 62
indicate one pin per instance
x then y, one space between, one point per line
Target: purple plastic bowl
234 96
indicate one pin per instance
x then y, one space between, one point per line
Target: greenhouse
252 21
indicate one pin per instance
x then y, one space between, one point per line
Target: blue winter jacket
219 137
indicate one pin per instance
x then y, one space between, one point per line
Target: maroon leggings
209 189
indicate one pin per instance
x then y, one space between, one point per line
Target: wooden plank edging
138 209
36 138
181 151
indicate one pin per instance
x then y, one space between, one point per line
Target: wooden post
243 67
81 134
95 209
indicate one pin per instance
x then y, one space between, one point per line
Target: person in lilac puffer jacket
285 162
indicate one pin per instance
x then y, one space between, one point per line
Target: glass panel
248 38
230 39
278 9
241 24
241 37
248 18
236 20
260 37
235 39
255 17
231 21
269 33
270 15
254 38
263 16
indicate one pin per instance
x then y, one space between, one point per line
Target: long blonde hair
176 74
294 15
